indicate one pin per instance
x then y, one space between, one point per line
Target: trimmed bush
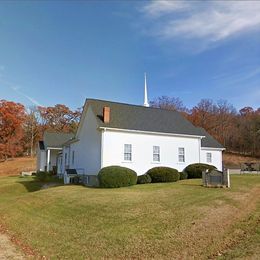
43 176
163 174
142 179
195 170
183 175
116 176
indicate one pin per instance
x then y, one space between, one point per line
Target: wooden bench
249 167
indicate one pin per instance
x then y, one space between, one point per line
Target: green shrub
142 179
195 170
183 175
43 176
116 176
163 174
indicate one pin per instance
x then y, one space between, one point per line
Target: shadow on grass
192 184
32 184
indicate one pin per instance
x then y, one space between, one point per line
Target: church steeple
146 104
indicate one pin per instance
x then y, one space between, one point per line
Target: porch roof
56 140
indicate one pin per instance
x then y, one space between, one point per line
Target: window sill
155 162
127 161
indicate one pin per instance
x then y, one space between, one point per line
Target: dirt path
8 250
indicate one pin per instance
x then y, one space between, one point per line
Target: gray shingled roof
133 117
209 141
56 140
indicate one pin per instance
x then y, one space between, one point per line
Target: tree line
21 128
237 131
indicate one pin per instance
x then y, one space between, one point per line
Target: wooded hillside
21 128
238 131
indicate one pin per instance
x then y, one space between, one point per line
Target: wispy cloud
16 88
32 100
207 21
159 8
238 76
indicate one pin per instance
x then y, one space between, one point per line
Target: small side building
211 150
49 154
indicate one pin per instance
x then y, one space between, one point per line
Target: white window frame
128 153
209 157
181 155
156 153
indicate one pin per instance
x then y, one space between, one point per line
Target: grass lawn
171 220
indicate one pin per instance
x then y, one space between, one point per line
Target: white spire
146 104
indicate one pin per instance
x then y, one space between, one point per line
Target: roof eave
70 142
53 148
213 148
149 132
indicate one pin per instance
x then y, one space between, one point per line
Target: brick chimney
106 115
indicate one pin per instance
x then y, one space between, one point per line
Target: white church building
137 137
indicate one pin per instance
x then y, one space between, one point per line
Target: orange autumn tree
12 116
59 118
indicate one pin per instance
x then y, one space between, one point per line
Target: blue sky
63 52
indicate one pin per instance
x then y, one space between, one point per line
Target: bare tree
170 103
31 129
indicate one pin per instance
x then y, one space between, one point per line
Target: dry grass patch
234 160
15 166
